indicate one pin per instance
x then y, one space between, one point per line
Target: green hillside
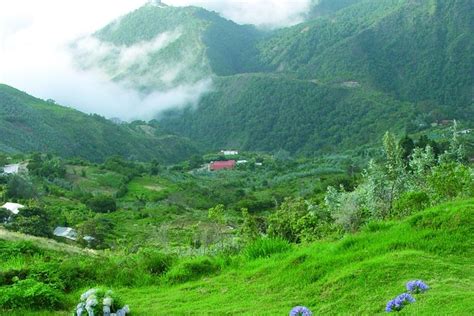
356 275
171 46
269 113
331 83
29 124
413 50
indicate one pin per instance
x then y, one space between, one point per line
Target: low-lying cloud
35 53
262 13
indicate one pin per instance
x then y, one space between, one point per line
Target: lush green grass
356 275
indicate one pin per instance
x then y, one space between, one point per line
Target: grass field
353 276
356 275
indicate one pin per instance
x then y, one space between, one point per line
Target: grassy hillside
355 275
29 124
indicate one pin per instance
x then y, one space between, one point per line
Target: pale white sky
34 36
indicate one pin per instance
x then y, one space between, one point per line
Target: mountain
159 46
30 124
413 50
353 70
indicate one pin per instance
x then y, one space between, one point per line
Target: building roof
11 169
66 232
227 164
13 207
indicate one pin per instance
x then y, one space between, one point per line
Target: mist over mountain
351 71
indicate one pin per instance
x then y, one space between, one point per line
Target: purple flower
417 286
300 311
399 302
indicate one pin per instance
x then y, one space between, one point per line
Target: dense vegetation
274 224
320 209
393 63
29 124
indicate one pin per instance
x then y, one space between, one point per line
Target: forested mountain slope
353 70
30 124
414 50
270 113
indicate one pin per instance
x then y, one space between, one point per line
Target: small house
222 165
65 232
229 152
13 207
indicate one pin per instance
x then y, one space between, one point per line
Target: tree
102 204
407 145
32 221
98 228
19 188
249 230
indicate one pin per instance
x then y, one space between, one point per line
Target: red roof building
221 165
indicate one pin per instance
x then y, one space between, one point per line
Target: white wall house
13 207
65 232
229 152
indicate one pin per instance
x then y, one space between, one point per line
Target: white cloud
263 13
35 57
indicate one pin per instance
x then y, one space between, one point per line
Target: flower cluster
399 302
417 286
300 311
89 305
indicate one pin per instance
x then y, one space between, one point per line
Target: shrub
265 247
19 188
30 294
409 203
32 221
154 262
450 180
191 269
102 204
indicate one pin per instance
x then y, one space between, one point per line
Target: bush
30 294
410 203
266 247
32 221
19 188
154 262
191 269
450 180
102 204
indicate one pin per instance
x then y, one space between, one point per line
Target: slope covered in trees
30 124
338 80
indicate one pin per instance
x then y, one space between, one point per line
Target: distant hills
353 70
29 124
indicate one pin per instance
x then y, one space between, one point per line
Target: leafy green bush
30 294
265 247
154 262
450 180
410 203
191 269
102 204
32 221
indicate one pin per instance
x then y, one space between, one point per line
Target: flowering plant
95 302
417 286
399 302
300 311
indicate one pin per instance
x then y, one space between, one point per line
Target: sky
34 54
